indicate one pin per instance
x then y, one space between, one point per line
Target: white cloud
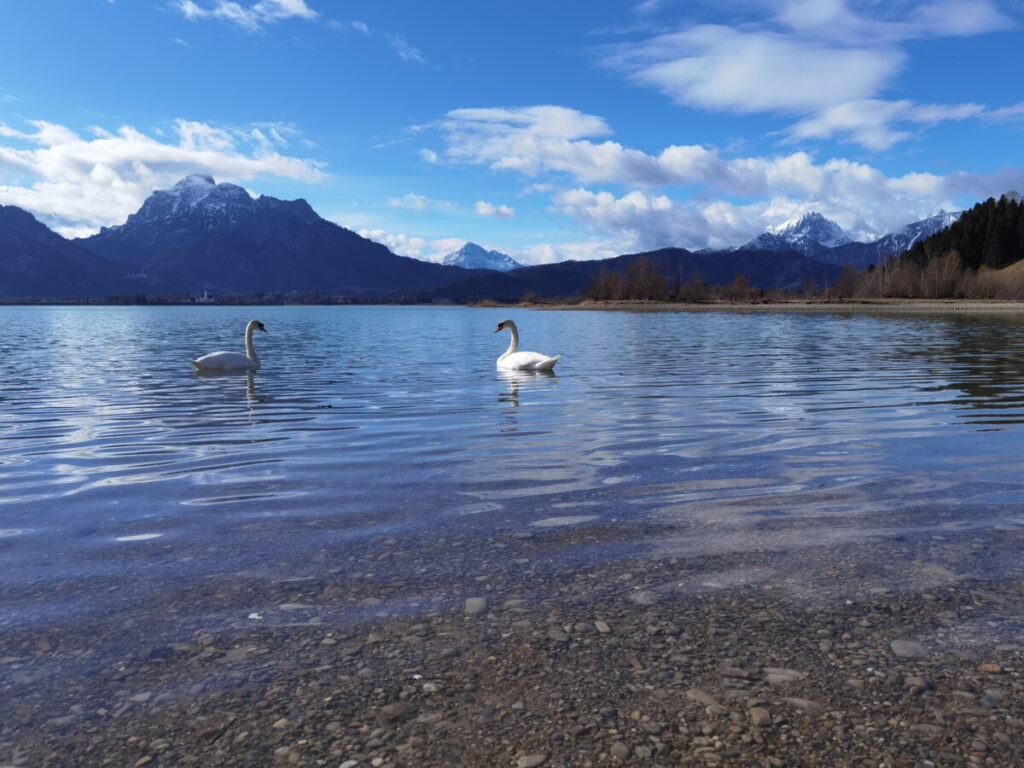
251 18
721 68
415 247
483 208
585 250
77 185
529 141
405 51
414 202
819 60
870 122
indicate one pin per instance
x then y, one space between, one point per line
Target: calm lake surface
122 474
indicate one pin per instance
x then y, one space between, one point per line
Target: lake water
371 431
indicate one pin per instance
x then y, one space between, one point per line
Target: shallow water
721 432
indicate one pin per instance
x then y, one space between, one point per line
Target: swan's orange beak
497 329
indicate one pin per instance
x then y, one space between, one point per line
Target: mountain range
203 236
822 239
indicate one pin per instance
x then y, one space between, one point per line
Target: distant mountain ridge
200 235
820 238
203 236
37 262
473 256
764 269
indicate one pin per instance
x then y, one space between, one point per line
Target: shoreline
929 306
880 652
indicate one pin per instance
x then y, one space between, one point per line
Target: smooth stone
782 674
619 750
908 649
759 716
558 636
531 761
475 605
391 712
644 597
806 706
702 697
602 627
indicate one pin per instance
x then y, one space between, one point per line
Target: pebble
759 716
644 597
602 627
619 750
558 636
806 706
531 761
782 674
475 605
908 649
701 696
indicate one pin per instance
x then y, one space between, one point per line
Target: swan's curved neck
250 350
514 344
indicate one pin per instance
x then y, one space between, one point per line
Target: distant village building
206 298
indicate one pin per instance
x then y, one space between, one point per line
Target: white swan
220 362
514 360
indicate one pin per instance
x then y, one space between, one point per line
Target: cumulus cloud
483 208
819 60
556 141
582 250
251 18
416 247
76 185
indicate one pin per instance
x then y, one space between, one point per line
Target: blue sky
545 130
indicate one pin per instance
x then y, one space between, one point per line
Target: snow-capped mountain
472 256
810 234
896 243
863 255
822 239
200 235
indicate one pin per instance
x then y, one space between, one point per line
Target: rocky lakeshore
875 653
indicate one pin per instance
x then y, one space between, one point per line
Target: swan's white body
232 361
514 360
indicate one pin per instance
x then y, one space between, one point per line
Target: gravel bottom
644 660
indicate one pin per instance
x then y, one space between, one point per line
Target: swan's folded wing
528 361
223 360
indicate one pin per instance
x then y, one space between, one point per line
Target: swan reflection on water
251 395
525 379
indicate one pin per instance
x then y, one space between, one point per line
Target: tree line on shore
977 257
